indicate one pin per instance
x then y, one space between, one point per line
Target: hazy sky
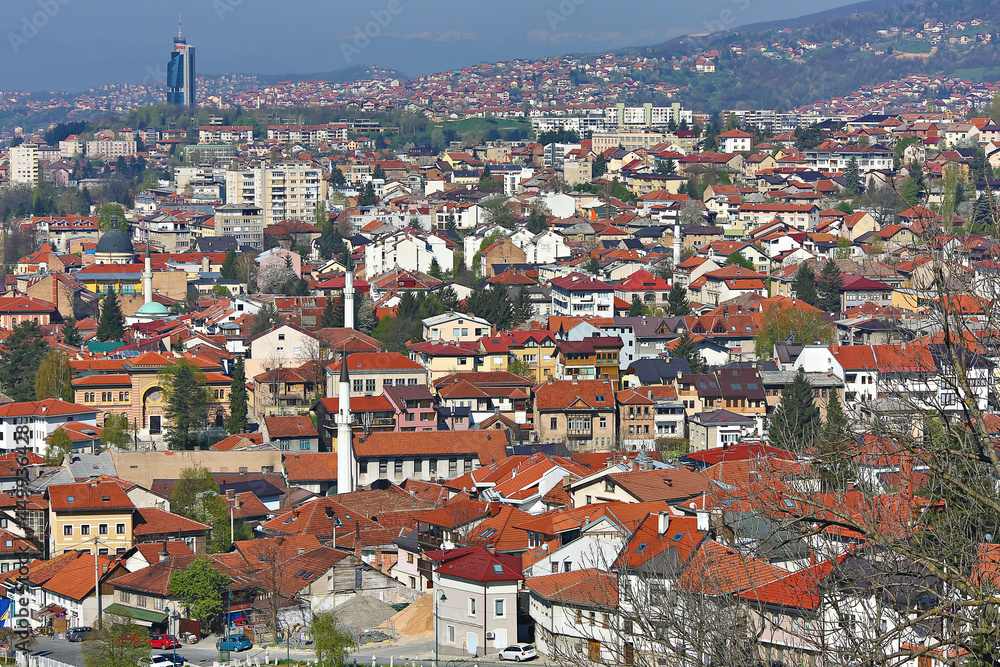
75 44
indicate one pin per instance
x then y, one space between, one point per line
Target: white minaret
348 296
677 244
345 446
147 280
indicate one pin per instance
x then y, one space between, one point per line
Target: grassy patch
977 74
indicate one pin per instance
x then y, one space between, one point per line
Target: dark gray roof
115 241
722 417
655 371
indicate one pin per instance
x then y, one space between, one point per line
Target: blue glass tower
180 73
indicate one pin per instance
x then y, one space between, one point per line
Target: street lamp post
444 598
173 644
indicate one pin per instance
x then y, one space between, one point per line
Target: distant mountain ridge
353 73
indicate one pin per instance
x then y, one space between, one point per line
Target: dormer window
70 499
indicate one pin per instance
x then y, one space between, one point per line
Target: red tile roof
587 588
87 496
477 564
155 521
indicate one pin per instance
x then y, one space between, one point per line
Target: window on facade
370 385
67 530
359 385
498 608
397 467
553 422
472 606
604 422
383 468
418 467
140 600
452 467
85 529
102 529
451 634
120 528
126 596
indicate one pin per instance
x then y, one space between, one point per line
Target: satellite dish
989 537
693 506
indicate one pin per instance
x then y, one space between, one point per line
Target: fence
24 660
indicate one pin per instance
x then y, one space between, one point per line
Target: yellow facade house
89 516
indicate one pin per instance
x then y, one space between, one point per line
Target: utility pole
97 581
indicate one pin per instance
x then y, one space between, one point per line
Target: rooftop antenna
179 35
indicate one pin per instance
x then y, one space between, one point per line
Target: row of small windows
102 529
106 396
418 467
369 384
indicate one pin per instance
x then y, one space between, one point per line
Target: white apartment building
282 192
242 221
407 251
37 420
109 149
24 164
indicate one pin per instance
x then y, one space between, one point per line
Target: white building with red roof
37 420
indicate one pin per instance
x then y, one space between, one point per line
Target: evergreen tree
265 318
537 222
367 196
238 398
677 302
228 269
435 269
636 308
187 402
829 287
982 215
20 357
835 430
805 284
365 322
795 423
686 349
111 325
71 335
378 173
337 177
524 310
449 298
852 177
329 317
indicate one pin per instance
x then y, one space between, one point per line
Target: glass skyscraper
180 74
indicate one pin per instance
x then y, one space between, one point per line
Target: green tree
598 167
329 317
111 215
852 177
58 447
804 286
779 324
186 402
199 587
117 431
497 212
524 310
393 334
71 335
111 324
331 643
667 167
836 429
265 318
378 173
828 287
367 196
193 485
20 357
486 181
238 398
116 642
737 259
337 177
54 377
677 301
636 308
228 270
435 269
449 298
687 349
522 368
795 423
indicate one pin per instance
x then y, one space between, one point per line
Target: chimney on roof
164 555
703 517
230 494
662 523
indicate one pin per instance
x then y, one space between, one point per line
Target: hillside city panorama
581 360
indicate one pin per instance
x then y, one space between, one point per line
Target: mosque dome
115 242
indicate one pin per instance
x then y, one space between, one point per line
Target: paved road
414 654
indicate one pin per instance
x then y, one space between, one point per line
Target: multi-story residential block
370 372
592 358
24 164
282 192
94 516
407 250
225 134
455 327
37 420
109 149
244 222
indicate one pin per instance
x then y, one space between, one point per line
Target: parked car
518 652
163 660
233 643
163 641
78 634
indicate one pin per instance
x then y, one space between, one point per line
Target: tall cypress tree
829 286
805 284
796 422
835 430
238 398
111 325
329 317
228 269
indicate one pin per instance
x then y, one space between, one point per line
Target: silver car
518 652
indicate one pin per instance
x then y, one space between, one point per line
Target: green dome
152 308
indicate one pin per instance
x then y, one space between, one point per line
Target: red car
163 641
